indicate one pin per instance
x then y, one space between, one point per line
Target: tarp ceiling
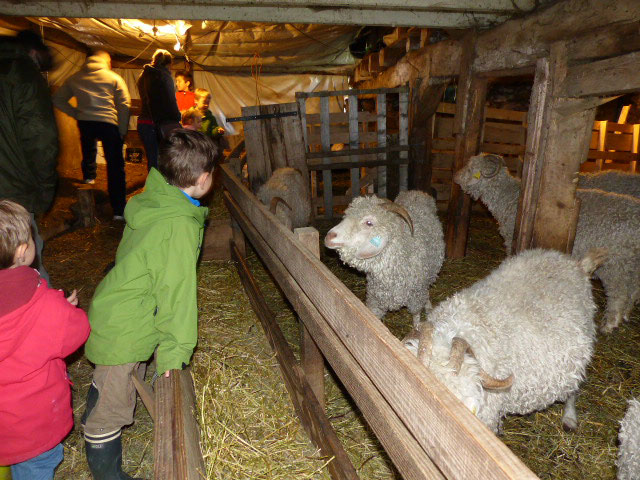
219 46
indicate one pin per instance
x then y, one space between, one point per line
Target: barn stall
556 449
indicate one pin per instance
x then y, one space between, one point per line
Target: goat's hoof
569 425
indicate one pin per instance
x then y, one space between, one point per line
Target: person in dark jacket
28 132
159 113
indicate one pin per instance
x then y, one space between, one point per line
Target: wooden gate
366 137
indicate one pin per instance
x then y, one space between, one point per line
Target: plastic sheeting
220 46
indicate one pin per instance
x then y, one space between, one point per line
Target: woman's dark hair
185 155
161 58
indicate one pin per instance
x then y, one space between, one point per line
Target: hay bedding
249 428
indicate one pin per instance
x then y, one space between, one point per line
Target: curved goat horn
459 347
400 211
274 204
491 165
491 383
424 345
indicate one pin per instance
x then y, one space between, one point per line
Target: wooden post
634 147
177 452
381 101
403 138
602 140
237 237
86 206
311 357
325 130
557 142
354 144
472 92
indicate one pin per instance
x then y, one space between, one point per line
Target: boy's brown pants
116 401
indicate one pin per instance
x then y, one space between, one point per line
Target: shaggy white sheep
614 181
516 341
292 204
629 438
606 220
400 246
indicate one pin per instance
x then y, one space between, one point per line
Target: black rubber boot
105 460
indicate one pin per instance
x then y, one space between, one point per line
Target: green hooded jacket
28 132
149 298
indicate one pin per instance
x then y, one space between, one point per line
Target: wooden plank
403 449
404 140
503 149
311 358
472 91
616 156
497 133
327 185
302 108
305 402
602 140
146 395
635 148
342 93
358 151
360 164
177 452
339 117
343 137
611 76
354 143
388 57
458 443
381 112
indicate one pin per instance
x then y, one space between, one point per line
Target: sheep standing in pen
518 340
606 220
287 194
400 246
629 438
614 181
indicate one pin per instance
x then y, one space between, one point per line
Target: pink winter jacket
38 329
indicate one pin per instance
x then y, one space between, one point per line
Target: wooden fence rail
427 432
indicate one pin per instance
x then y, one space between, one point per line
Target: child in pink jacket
39 327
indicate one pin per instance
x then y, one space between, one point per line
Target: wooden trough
425 430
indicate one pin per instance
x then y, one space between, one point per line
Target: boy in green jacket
148 299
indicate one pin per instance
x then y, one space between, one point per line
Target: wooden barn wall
613 145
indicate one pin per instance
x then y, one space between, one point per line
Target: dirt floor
249 429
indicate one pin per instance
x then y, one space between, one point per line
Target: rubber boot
105 460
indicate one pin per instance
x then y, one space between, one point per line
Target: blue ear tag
376 241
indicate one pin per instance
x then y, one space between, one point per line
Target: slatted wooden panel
504 134
613 145
273 142
356 131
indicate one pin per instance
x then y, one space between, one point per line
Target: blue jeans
109 135
40 467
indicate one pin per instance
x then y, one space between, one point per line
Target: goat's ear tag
477 175
376 241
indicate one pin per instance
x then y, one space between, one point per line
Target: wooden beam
346 12
472 92
459 444
592 29
176 436
612 76
306 404
556 145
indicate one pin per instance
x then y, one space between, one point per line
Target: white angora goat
606 220
400 246
287 194
614 181
629 438
516 341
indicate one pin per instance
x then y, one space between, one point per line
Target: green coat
28 132
209 125
149 298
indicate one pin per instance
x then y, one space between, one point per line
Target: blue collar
191 199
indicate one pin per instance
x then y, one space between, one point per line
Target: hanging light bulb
177 46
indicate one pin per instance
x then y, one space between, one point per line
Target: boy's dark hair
15 229
161 58
187 77
185 155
